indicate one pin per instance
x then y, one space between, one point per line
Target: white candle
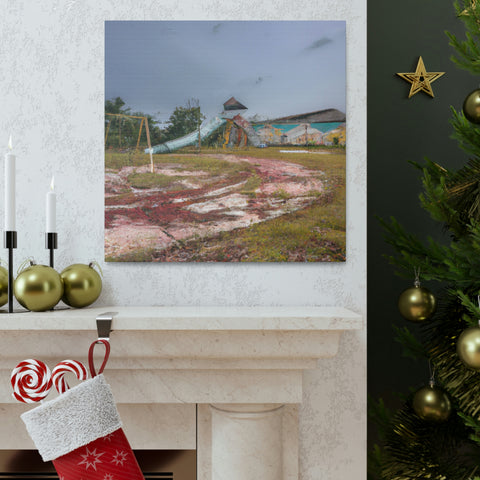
10 188
51 224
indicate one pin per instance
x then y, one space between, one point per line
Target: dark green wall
402 129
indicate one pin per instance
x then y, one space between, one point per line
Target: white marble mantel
243 366
189 318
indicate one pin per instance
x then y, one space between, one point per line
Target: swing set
143 122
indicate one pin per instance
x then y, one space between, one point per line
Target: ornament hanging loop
478 301
416 271
93 264
432 374
28 262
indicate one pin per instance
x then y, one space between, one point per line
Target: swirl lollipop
67 366
31 381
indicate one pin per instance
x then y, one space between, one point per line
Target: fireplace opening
155 464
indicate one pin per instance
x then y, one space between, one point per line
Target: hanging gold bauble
431 403
468 347
38 288
82 285
3 286
416 304
471 106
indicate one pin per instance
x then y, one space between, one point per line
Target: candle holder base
51 243
10 242
10 239
15 310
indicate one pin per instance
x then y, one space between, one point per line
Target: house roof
328 115
233 104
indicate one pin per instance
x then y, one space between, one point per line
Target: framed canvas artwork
225 141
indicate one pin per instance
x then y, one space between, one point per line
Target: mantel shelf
189 318
186 354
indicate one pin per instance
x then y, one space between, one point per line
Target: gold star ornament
421 80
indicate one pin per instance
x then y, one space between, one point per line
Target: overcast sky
274 68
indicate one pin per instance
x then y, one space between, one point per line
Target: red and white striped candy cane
67 366
31 381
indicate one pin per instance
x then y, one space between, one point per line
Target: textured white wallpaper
51 101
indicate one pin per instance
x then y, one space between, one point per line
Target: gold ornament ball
38 288
432 404
471 106
82 285
416 304
468 347
3 286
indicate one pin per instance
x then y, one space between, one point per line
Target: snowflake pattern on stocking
108 438
91 458
101 459
119 458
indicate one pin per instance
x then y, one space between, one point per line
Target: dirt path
198 204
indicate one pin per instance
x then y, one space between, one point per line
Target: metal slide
190 139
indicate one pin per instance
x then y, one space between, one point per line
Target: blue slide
190 139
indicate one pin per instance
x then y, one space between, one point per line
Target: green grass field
314 233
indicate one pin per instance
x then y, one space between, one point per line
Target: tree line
122 131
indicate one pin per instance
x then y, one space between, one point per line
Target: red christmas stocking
81 432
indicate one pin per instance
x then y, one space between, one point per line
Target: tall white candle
10 188
51 224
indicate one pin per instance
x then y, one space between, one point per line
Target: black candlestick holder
51 243
10 242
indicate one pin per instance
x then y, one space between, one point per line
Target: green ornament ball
38 288
82 285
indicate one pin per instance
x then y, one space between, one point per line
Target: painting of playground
225 141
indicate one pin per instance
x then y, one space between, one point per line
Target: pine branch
421 450
412 348
467 51
376 458
474 424
381 415
457 263
463 194
436 198
465 133
473 309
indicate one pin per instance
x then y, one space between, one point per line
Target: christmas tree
436 434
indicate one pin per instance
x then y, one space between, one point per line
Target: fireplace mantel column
247 441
